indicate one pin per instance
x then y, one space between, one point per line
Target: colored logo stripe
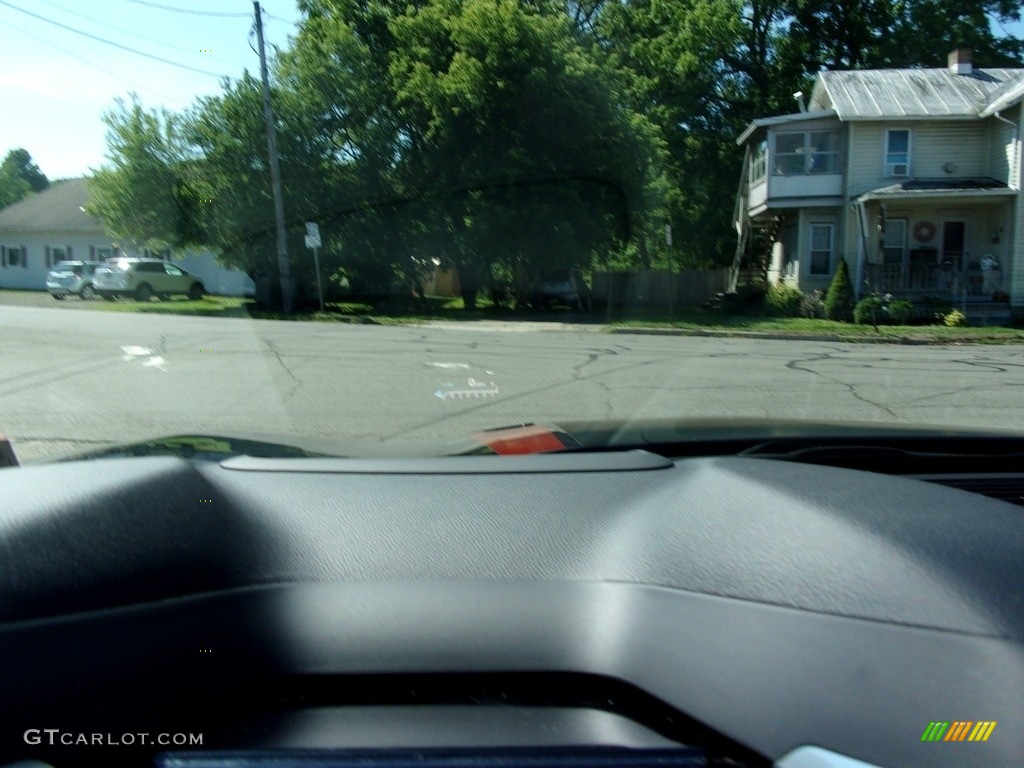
934 731
958 730
982 730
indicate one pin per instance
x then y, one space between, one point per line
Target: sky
56 83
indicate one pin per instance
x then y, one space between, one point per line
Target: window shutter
3 255
92 253
68 247
24 256
48 264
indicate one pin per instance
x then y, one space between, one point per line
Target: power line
111 42
44 41
127 31
289 22
234 15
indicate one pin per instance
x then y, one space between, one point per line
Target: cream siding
962 146
1001 150
932 146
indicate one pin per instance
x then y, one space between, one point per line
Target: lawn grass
412 310
694 319
209 306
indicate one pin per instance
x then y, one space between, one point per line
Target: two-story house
912 175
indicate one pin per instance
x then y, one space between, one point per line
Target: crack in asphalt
794 365
277 355
577 375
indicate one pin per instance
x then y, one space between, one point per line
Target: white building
53 226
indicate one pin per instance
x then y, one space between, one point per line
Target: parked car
67 278
144 278
566 289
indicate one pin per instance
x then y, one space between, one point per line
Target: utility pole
283 266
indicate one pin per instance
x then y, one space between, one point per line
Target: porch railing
938 280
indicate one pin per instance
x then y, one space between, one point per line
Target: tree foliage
20 177
839 299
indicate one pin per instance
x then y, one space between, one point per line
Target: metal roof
55 209
982 187
763 122
910 93
1004 97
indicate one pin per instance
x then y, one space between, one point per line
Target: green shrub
783 301
839 299
901 311
862 313
883 310
955 319
812 306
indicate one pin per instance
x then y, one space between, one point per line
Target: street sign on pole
671 274
313 241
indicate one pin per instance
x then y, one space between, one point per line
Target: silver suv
144 278
67 278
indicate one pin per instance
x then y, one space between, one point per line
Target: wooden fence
658 288
636 288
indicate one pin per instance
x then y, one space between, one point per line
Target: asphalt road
72 380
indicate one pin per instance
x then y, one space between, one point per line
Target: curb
768 335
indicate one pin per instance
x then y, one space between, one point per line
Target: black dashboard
591 608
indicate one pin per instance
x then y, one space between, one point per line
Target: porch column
1013 269
858 279
775 267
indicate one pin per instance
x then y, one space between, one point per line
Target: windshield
386 226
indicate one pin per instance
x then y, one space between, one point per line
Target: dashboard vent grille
1002 486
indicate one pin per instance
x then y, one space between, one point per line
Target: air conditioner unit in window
897 169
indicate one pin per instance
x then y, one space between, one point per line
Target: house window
803 152
13 256
55 253
759 162
897 152
824 154
894 241
789 154
822 238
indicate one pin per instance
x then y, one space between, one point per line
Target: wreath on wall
924 231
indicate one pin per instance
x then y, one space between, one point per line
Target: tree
488 126
676 56
839 299
20 177
838 34
140 194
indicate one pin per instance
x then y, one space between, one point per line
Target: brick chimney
961 61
